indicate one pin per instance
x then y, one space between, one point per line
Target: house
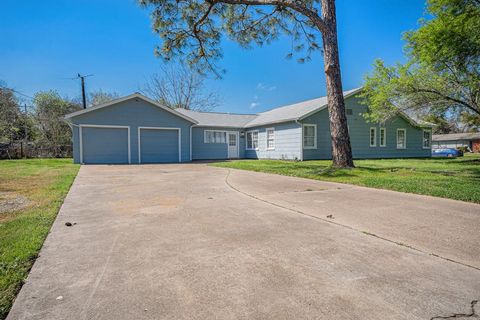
136 129
457 140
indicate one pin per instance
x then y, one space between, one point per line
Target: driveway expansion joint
345 226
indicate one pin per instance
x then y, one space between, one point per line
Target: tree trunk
341 148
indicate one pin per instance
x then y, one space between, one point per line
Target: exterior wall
359 131
476 146
452 144
134 113
288 137
213 151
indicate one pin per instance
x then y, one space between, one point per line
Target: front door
232 144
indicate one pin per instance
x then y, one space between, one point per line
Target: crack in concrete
472 314
344 225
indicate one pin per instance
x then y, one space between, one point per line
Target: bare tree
177 86
101 97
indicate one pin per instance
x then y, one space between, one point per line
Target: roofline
247 126
131 96
354 92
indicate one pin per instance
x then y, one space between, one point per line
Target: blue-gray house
136 129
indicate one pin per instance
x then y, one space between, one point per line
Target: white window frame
314 136
266 138
404 138
246 139
383 132
429 140
374 144
205 136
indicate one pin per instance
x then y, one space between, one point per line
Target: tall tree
192 29
11 119
442 75
54 133
178 86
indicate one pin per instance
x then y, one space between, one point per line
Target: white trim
237 141
374 137
191 128
315 136
80 132
384 130
405 138
246 140
160 128
423 137
132 96
274 138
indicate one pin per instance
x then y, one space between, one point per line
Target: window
349 112
383 137
252 140
270 139
427 139
373 137
212 136
401 138
310 136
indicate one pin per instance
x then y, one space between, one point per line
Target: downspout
301 138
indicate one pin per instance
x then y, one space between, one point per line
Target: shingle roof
216 119
456 136
293 112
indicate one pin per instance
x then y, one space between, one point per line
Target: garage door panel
159 146
105 145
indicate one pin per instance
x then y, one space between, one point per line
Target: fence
20 149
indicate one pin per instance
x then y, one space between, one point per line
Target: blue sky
45 43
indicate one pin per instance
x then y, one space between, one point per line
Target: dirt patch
11 201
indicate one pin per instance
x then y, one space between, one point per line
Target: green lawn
448 178
39 186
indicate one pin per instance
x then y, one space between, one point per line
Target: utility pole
82 80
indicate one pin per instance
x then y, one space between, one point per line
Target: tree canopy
442 75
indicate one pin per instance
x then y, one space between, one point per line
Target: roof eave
131 96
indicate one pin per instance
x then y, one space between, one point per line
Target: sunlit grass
448 178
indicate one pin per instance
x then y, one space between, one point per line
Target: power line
17 92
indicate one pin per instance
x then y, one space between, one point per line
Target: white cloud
265 87
254 105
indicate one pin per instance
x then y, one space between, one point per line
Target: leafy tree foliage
10 117
53 132
193 29
442 75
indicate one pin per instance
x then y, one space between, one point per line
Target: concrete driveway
197 242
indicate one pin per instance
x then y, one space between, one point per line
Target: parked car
446 152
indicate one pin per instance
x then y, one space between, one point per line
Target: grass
457 179
43 183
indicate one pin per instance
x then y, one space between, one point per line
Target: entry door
232 144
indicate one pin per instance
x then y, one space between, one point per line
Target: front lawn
31 193
448 178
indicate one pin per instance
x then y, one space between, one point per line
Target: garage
159 145
104 144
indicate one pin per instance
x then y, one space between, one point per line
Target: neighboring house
136 129
457 140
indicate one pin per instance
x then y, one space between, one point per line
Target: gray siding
133 113
287 142
359 131
213 151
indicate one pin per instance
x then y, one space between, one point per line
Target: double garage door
112 145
